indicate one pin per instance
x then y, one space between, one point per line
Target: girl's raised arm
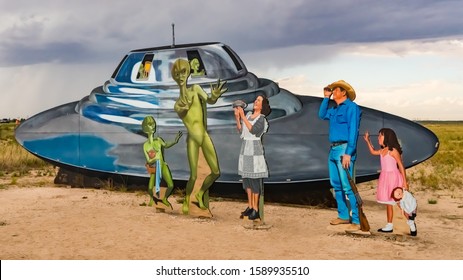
366 137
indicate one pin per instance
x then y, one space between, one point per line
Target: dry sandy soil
44 221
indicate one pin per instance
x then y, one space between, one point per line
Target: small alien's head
148 125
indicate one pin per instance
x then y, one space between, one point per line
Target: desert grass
443 171
16 162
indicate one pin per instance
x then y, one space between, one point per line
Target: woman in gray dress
251 164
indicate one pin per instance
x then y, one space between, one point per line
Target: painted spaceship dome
142 85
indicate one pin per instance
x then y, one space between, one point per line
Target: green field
444 171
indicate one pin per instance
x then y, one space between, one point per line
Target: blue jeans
340 183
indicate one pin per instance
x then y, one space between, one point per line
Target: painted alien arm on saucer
216 91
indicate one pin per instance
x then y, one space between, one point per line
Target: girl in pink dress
392 171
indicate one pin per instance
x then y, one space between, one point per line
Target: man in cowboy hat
344 118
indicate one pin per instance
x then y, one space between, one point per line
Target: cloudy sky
402 57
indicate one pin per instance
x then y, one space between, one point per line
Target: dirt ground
48 222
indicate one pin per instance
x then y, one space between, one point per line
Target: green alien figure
191 108
155 164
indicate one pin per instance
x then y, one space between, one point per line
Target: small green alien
155 164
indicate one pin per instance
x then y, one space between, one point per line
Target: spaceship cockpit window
152 67
144 68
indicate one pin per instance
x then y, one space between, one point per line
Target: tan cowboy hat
343 84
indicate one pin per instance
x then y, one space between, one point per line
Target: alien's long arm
170 144
146 148
146 155
152 161
182 105
149 160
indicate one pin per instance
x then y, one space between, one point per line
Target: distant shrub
432 201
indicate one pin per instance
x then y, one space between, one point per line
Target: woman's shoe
246 212
254 215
